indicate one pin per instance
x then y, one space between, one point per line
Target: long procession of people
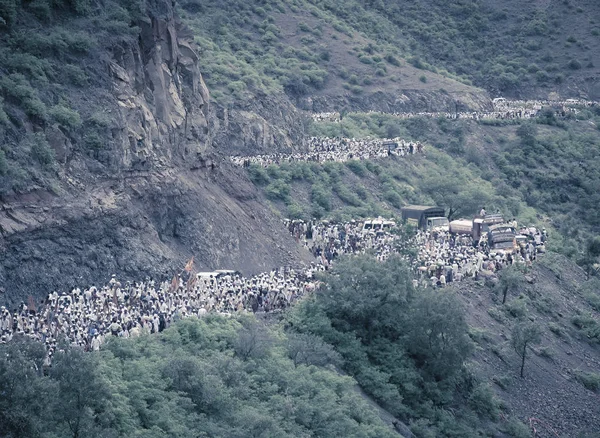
325 149
85 317
503 109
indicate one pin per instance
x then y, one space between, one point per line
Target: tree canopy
195 379
407 349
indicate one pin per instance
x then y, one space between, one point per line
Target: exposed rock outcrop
163 101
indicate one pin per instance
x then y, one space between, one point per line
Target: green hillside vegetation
407 349
237 377
370 188
289 46
49 80
512 49
508 48
543 173
213 377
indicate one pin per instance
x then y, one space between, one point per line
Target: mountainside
315 47
554 396
105 106
120 126
320 62
115 174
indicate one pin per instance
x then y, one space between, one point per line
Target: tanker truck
476 227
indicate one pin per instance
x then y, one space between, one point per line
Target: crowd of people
326 117
444 257
327 240
86 317
441 257
324 149
503 109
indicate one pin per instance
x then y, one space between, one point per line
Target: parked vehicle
477 228
425 217
377 225
481 225
461 226
502 237
438 223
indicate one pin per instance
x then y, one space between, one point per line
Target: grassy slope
511 48
292 46
561 375
561 372
52 82
553 181
555 172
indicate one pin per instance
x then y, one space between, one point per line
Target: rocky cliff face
157 190
267 124
158 194
163 101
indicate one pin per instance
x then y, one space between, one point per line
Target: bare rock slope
159 194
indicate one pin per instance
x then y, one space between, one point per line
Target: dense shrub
3 163
278 190
357 167
405 349
40 149
589 379
65 116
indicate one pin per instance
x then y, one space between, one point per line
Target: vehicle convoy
482 225
377 225
425 217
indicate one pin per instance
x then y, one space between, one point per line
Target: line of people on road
503 109
326 149
86 317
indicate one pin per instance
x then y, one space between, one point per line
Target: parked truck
425 217
461 226
502 238
481 225
476 227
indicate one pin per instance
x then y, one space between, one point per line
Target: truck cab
481 225
437 224
418 215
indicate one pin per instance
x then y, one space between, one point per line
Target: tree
253 340
303 348
456 194
24 395
523 335
8 12
510 279
368 297
438 333
80 406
